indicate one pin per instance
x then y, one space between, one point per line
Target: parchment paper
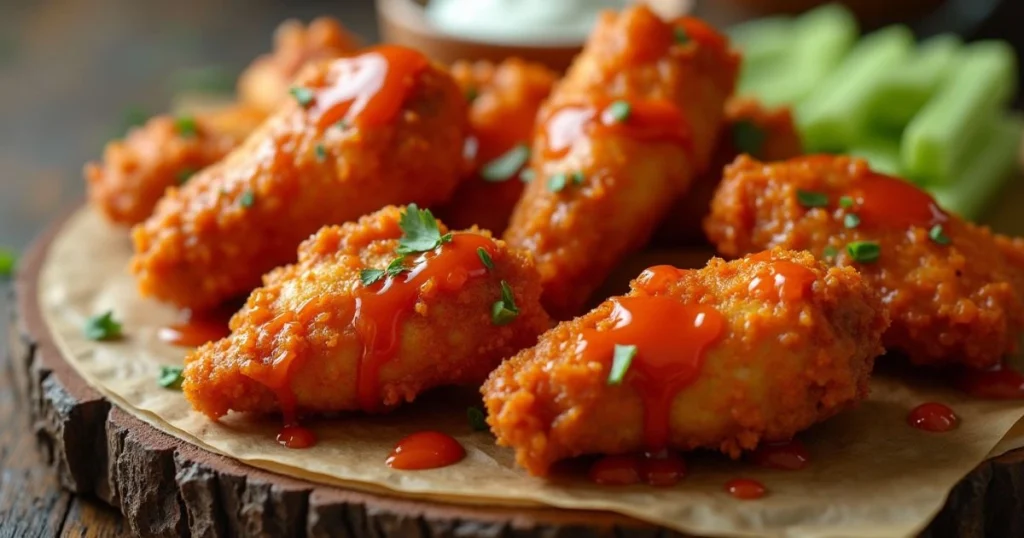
871 475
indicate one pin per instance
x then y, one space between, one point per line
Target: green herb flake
578 177
811 199
846 202
185 174
170 377
477 419
8 259
527 175
748 137
505 167
419 231
485 258
370 276
505 310
186 126
680 35
621 360
103 327
829 253
396 267
471 94
938 234
321 152
247 199
304 96
557 182
618 111
864 251
851 220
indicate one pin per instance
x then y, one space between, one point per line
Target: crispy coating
304 315
213 238
627 182
264 84
136 171
779 367
956 303
769 134
504 100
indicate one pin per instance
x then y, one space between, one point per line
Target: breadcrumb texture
780 367
304 313
957 303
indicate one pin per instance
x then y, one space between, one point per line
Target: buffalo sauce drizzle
788 456
660 470
425 450
745 489
781 280
999 383
933 417
648 120
883 201
197 328
369 89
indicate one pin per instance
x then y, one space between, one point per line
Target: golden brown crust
780 367
304 312
957 303
578 234
504 104
214 237
264 84
136 171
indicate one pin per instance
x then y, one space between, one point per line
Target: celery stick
882 152
763 40
994 158
836 113
903 91
933 142
823 37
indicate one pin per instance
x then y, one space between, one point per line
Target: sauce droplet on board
933 417
295 436
788 456
781 280
647 121
883 201
745 489
197 328
998 383
671 340
425 450
624 470
368 89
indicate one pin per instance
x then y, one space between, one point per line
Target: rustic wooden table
69 69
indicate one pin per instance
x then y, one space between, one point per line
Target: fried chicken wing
504 102
360 133
766 134
620 139
954 292
322 336
166 151
264 84
724 357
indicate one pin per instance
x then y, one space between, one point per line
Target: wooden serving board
167 487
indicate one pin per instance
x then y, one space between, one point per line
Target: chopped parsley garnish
864 251
830 253
938 235
368 277
505 310
748 137
681 36
185 126
505 167
420 232
304 96
185 174
846 202
621 360
170 377
103 327
396 267
485 258
321 152
851 220
477 419
619 111
527 175
471 94
247 199
8 259
578 177
811 199
557 182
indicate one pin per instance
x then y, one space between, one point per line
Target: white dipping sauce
519 21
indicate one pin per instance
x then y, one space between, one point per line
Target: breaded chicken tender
621 138
766 134
954 291
724 357
380 128
264 84
344 330
504 99
166 151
